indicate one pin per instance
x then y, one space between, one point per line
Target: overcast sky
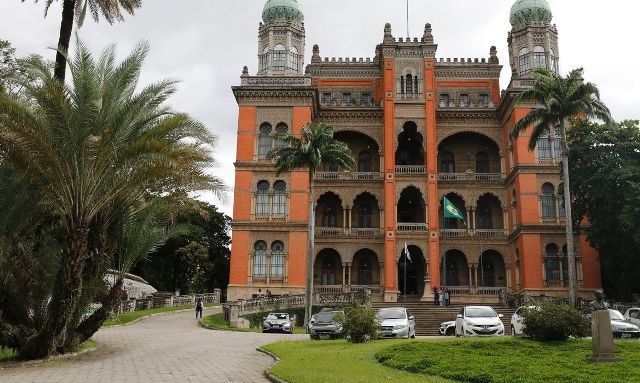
205 44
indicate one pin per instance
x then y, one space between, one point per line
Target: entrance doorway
415 272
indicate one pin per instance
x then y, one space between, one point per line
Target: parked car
448 328
324 326
622 327
396 322
278 322
479 321
517 318
633 315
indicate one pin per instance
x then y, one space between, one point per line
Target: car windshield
392 314
277 316
325 317
480 312
616 315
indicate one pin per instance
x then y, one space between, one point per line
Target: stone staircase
428 317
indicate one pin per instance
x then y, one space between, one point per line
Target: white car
633 315
279 322
396 322
448 328
479 321
517 319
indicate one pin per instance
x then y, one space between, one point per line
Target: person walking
199 308
436 296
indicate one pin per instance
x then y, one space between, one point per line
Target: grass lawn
338 361
8 355
216 322
131 316
509 360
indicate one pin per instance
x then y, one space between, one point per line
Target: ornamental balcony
471 177
411 170
476 233
348 176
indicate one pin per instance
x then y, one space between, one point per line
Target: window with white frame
281 130
523 61
264 60
279 57
294 59
260 259
277 260
279 198
539 58
552 263
262 198
548 202
265 141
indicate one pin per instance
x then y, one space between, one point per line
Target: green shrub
359 323
554 321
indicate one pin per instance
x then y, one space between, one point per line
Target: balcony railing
481 233
455 233
361 232
411 169
466 177
490 233
412 227
329 231
270 218
490 290
348 176
458 290
366 232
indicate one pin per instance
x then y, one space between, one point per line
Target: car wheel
450 332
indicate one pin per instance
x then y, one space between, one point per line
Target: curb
268 373
48 359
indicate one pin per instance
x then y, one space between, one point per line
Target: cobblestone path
163 348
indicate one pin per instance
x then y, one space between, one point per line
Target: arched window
482 162
557 143
523 61
484 217
329 218
265 141
447 163
364 271
279 198
294 61
279 57
554 61
364 162
281 130
364 216
262 198
552 263
265 59
548 202
329 271
544 147
539 58
409 84
277 259
260 259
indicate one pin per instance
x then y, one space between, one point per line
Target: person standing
442 301
447 298
436 296
199 308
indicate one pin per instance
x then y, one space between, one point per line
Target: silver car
448 328
277 322
396 322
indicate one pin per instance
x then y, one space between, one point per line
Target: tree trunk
63 299
308 304
91 325
66 27
569 219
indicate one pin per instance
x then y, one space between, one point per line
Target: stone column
344 220
349 266
471 267
349 208
505 221
344 273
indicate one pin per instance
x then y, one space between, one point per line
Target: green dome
282 10
530 12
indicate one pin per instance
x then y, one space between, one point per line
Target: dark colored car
324 326
277 322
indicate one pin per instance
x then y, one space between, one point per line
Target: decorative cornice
274 97
352 116
282 226
467 71
275 81
465 116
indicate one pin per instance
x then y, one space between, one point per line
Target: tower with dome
420 127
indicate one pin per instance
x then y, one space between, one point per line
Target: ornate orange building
420 128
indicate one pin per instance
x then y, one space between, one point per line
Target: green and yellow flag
451 211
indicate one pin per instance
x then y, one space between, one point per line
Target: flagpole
444 252
481 273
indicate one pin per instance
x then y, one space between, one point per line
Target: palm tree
111 10
90 148
557 99
316 147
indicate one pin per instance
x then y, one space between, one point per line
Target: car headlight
399 326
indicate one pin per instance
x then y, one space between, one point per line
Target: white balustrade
411 169
411 227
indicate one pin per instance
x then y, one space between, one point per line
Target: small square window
444 99
484 100
326 98
464 100
366 99
348 100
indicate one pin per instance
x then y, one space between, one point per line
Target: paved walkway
164 348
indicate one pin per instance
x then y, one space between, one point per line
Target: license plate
626 335
325 336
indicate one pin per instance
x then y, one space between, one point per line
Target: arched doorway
411 206
329 211
365 270
415 272
327 268
458 202
410 150
457 270
469 152
492 272
489 213
366 211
